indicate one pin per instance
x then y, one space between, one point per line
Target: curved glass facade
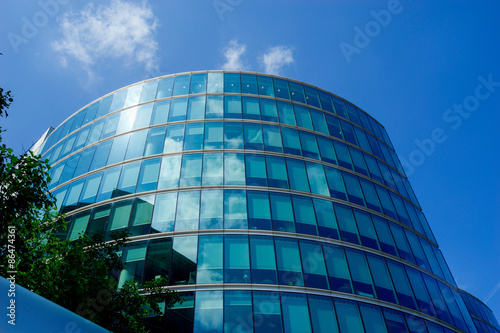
271 205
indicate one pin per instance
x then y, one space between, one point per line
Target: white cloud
276 58
120 31
233 54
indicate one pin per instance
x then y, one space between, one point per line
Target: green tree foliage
80 275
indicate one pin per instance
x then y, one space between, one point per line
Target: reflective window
251 109
373 168
382 279
170 171
165 87
136 144
191 170
259 212
253 136
282 213
118 149
363 141
326 101
238 311
155 141
415 324
232 107
339 107
348 229
395 321
423 299
178 110
109 183
366 230
255 170
249 84
288 259
235 210
281 88
291 141
69 168
120 215
263 260
103 108
401 242
322 314
213 171
158 258
196 108
370 194
82 138
403 288
161 111
285 113
234 169
184 260
214 135
297 92
312 96
133 95
236 259
318 119
385 199
148 91
384 235
141 216
335 183
215 83
353 113
348 316
181 85
303 117
193 139
353 189
272 138
101 155
188 210
118 101
437 299
267 312
232 83
295 313
99 220
317 179
313 264
265 85
361 277
416 249
297 175
309 145
128 179
174 139
305 219
95 134
208 315
198 83
148 176
268 110
343 156
348 132
326 150
73 194
327 222
212 209
79 225
233 136
334 126
210 263
372 318
215 107
358 160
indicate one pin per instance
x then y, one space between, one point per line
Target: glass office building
270 204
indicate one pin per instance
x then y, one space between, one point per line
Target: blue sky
428 71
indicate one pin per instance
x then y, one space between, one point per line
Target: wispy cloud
276 58
233 54
120 31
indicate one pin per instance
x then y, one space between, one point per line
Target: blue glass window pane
401 284
288 259
361 278
148 91
259 212
375 147
198 83
384 235
91 112
415 324
353 189
128 178
120 215
178 110
343 156
297 92
276 172
208 315
126 120
232 83
395 321
101 155
302 116
215 83
382 279
188 211
184 260
82 138
193 139
348 229
160 112
267 312
77 123
297 175
181 85
401 242
232 107
322 314
305 219
234 169
268 110
111 125
282 213
99 220
196 108
335 183
366 229
233 136
327 222
431 258
191 170
326 101
309 145
353 113
256 170
253 136
319 122
235 210
79 225
317 179
285 113
334 126
109 183
69 168
373 318
170 171
236 259
263 260
437 299
421 293
281 88
339 107
105 104
74 191
165 87
249 84
363 141
133 95
434 328
385 199
338 272
400 209
210 259
326 150
214 135
90 188
155 141
265 85
56 174
373 168
359 161
95 134
68 145
164 213
313 264
295 313
213 170
212 209
148 176
371 197
348 316
174 140
238 311
291 141
272 138
251 109
118 101
312 96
